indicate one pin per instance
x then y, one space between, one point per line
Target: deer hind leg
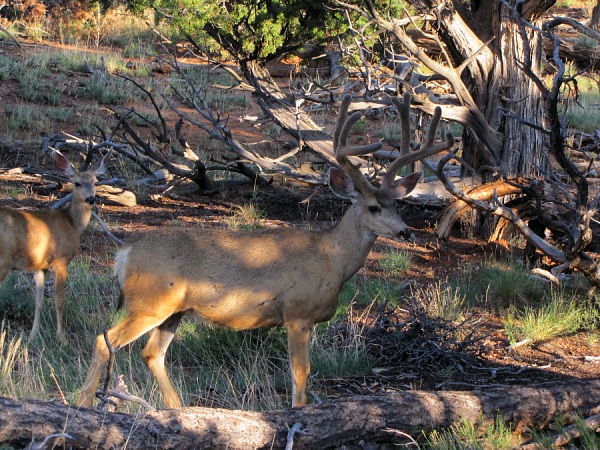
299 350
39 276
60 279
154 355
131 328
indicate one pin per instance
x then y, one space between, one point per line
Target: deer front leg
60 280
299 351
39 277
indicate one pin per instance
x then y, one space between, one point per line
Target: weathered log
116 195
108 192
329 424
486 191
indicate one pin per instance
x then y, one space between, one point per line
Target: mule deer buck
42 239
245 280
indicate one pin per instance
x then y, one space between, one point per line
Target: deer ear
406 185
100 166
341 184
62 163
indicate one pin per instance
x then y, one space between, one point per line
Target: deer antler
342 150
429 148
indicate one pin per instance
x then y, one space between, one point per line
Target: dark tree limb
329 424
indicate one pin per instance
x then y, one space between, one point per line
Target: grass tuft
397 262
561 316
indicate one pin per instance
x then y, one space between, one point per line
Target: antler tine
403 108
429 149
343 126
343 150
341 119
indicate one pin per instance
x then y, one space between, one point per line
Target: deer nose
90 200
405 234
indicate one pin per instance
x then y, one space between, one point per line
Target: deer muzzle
405 234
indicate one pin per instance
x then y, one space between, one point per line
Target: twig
63 201
568 434
42 445
105 228
403 434
61 395
296 428
123 396
519 344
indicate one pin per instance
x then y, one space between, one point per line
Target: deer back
239 279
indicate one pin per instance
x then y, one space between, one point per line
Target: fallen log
486 191
329 424
114 194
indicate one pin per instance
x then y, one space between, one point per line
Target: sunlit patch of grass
246 217
15 381
560 316
397 262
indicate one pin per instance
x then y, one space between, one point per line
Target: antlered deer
244 280
39 240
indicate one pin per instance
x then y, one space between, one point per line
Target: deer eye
77 184
374 209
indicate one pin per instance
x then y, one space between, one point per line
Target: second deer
40 240
244 280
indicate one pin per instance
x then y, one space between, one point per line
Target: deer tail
119 270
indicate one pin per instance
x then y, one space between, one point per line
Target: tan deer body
40 240
243 280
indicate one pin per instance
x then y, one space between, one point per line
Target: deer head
377 205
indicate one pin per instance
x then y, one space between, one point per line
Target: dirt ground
287 203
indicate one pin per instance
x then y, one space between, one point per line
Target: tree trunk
595 20
330 424
501 90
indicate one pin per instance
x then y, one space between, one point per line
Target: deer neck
79 214
350 242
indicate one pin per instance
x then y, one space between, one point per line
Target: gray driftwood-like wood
329 424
